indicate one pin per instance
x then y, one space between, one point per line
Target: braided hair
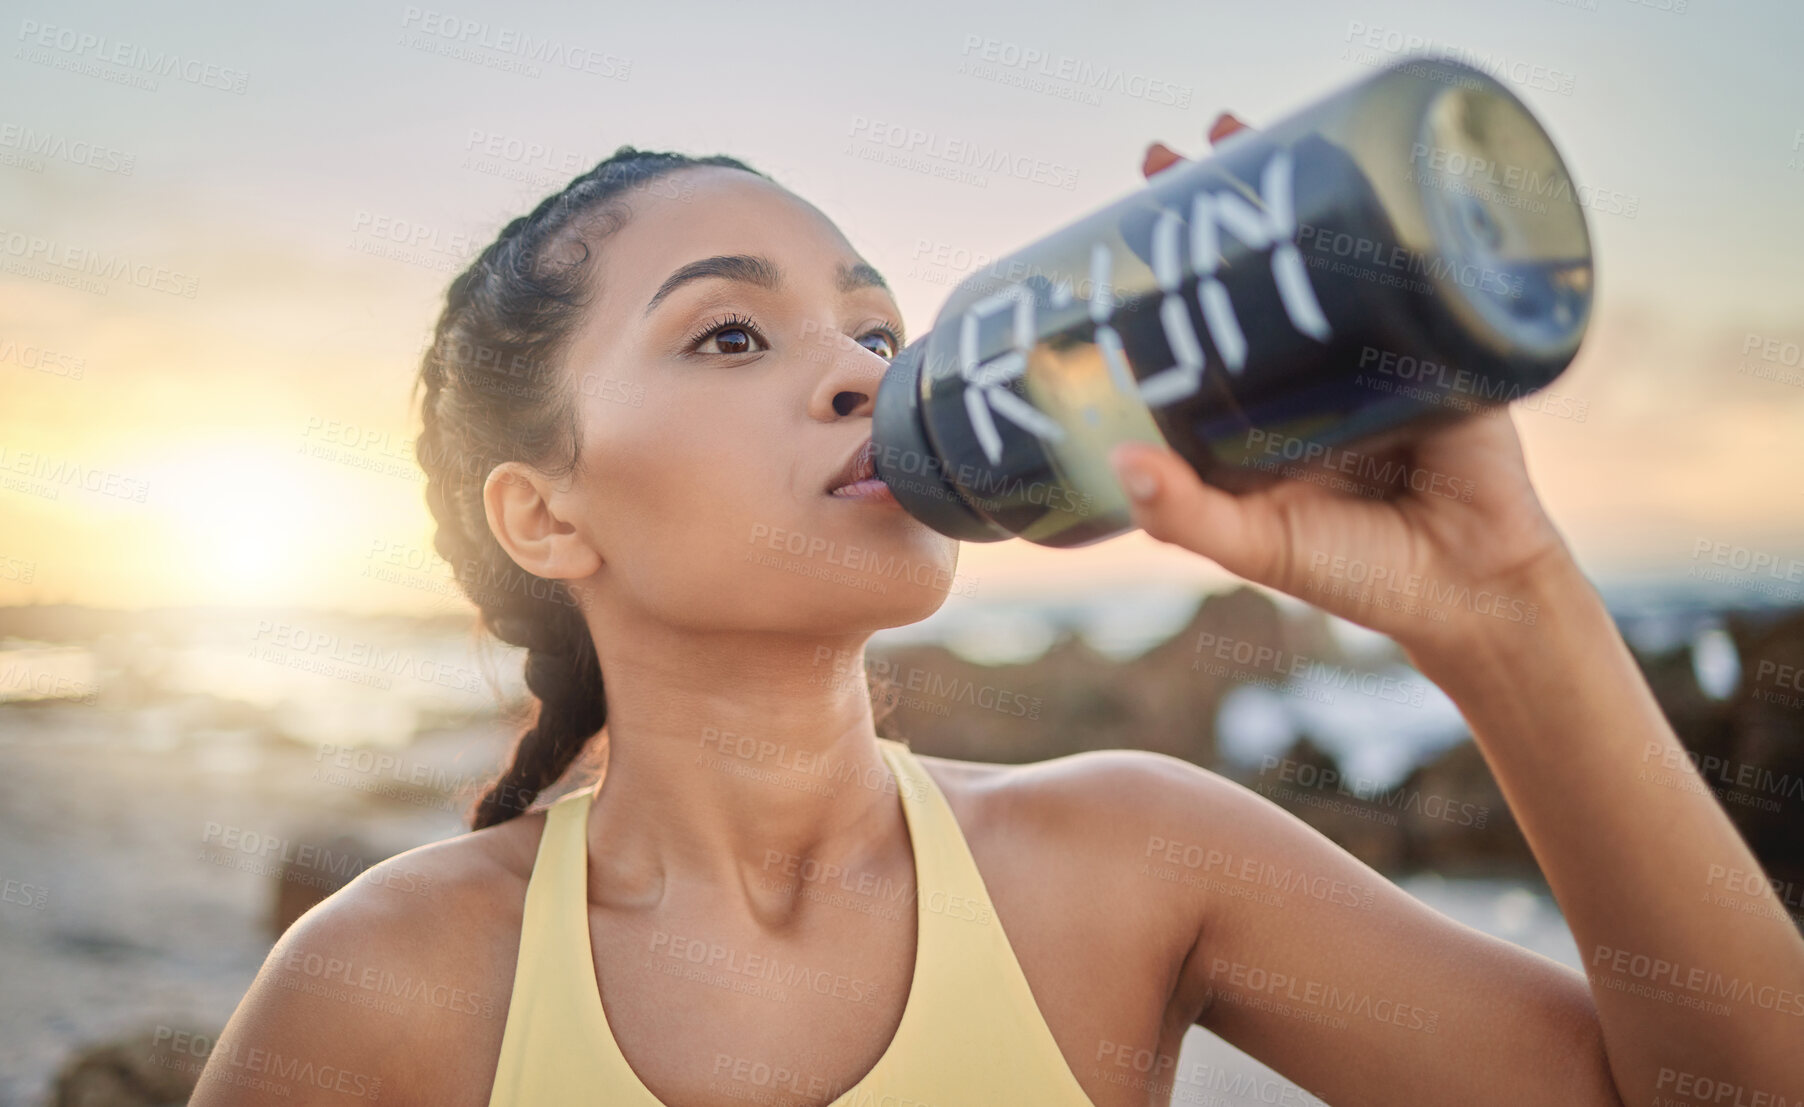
494 392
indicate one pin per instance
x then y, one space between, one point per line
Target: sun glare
249 524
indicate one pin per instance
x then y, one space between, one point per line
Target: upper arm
380 992
1309 960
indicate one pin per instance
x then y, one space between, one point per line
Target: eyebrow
757 270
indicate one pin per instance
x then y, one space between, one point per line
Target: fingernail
1140 484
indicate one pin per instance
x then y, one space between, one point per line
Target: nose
849 386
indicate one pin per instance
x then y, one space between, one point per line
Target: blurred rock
1749 748
143 1070
1309 785
1766 750
1455 820
316 866
1447 816
1699 721
1073 698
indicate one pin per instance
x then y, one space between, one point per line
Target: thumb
1172 504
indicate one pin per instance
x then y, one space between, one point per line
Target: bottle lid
907 462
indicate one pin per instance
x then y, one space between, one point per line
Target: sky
235 395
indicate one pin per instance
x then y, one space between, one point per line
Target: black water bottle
1404 252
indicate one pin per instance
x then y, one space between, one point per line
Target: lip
859 467
870 491
857 478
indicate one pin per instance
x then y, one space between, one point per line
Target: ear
519 502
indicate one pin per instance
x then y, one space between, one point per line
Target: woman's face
717 410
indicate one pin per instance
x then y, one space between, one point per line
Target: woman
675 359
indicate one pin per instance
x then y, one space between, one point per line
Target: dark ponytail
495 392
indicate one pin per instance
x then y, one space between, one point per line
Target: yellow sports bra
971 1033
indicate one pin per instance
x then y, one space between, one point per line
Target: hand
1454 553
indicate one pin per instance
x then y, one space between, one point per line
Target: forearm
1692 980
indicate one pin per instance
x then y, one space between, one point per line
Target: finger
1159 157
1225 124
1172 504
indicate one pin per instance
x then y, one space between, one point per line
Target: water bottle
1402 253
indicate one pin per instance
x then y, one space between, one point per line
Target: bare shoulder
1073 849
396 985
1185 843
1097 792
1090 820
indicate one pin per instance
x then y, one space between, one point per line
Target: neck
735 757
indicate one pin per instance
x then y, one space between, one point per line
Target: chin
867 563
901 608
890 590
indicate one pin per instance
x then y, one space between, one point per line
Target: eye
735 333
892 341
